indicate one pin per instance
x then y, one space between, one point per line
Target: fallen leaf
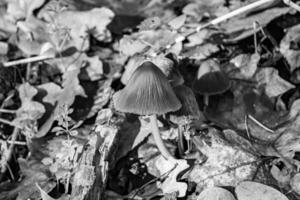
282 176
198 38
20 9
201 52
170 184
295 183
226 165
94 67
274 85
34 172
217 193
130 46
247 64
75 27
288 47
30 110
177 22
44 194
248 190
150 23
53 92
31 37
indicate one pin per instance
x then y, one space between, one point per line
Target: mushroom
148 92
210 80
186 115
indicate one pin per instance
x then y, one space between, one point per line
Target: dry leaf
177 22
201 52
130 46
29 110
273 83
288 47
295 183
75 27
282 176
247 64
215 193
44 195
53 92
150 23
20 9
225 164
171 184
197 38
256 191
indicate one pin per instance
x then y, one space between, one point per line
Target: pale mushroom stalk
206 99
158 140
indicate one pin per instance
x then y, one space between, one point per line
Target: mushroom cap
210 79
147 92
212 83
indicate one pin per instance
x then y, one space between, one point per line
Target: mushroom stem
206 100
158 140
180 141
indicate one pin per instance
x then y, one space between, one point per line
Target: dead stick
28 60
292 4
221 19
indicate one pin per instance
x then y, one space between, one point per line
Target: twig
8 111
17 143
255 37
10 171
4 121
219 20
292 4
28 60
260 124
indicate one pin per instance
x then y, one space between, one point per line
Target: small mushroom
210 80
148 92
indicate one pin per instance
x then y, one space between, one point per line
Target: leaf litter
61 136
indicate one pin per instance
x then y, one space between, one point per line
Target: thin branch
4 121
260 124
17 143
255 37
292 4
28 60
8 111
220 19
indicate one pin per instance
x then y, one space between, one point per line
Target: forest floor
149 99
